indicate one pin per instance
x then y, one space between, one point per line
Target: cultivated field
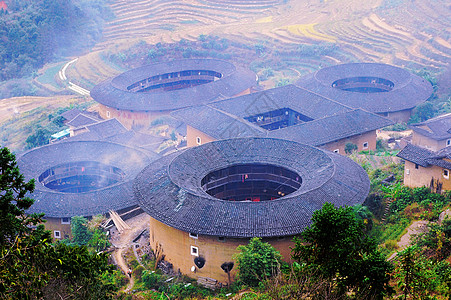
411 34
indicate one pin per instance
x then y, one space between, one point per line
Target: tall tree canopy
31 267
13 201
34 32
337 247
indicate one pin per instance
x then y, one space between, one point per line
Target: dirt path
415 228
120 261
122 241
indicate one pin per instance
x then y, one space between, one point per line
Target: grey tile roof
82 120
332 121
107 128
409 89
216 123
57 204
415 154
137 139
425 157
169 188
113 92
438 128
99 131
289 96
70 114
112 130
333 128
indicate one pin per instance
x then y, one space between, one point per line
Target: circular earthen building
138 96
207 200
81 179
378 88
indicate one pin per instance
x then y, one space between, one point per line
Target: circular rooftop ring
377 88
170 189
63 163
151 87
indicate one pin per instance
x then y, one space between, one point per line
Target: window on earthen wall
194 251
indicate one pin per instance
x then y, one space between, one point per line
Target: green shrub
152 280
391 245
350 147
257 261
396 127
138 271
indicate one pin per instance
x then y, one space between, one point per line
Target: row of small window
196 236
364 145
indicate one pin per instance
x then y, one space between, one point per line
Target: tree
88 234
40 30
257 261
13 200
39 138
79 228
422 112
350 147
31 267
415 274
337 247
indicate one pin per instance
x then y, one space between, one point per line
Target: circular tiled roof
408 89
170 189
60 204
114 93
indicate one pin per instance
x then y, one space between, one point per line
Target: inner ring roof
170 189
58 204
409 90
113 92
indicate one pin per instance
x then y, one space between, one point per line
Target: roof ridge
107 120
239 119
437 118
325 97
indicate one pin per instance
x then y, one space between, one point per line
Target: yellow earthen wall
53 224
245 92
192 134
130 118
398 116
176 246
426 142
369 137
422 176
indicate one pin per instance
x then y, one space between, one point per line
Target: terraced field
148 19
413 34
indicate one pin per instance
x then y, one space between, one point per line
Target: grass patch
48 77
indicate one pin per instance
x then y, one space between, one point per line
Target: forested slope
33 33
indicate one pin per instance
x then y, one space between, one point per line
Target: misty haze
233 149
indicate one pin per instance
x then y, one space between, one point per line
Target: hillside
388 31
279 40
